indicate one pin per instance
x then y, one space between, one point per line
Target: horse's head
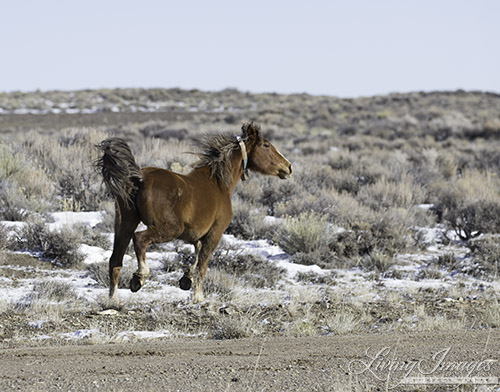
263 157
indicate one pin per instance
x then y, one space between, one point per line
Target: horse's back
194 200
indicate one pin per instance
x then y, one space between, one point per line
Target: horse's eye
267 145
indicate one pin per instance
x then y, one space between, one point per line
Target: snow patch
80 334
142 335
94 254
69 218
37 324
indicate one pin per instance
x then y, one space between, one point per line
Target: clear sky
343 48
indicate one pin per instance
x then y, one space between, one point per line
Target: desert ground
329 363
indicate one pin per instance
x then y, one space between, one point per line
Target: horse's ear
251 130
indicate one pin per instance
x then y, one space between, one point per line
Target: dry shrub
274 193
393 162
491 315
302 327
69 162
316 175
315 278
322 202
470 204
172 154
92 236
305 321
430 272
429 323
486 252
446 165
343 322
100 273
349 245
229 328
219 283
162 130
235 326
5 237
386 194
52 290
366 170
49 299
24 187
248 222
349 213
251 269
310 239
307 238
59 246
380 235
348 181
468 266
250 191
390 230
344 160
450 123
377 261
306 233
323 259
447 260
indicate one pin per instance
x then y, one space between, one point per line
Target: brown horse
195 208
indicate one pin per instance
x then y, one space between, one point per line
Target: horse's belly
192 234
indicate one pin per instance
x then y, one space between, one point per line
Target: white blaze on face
284 159
282 156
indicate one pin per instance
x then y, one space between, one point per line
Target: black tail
122 175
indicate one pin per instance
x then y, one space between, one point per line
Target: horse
195 207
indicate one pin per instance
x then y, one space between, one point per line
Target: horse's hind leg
186 281
141 241
125 224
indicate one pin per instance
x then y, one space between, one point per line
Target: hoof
135 283
185 283
198 298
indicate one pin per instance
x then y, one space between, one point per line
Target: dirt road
330 363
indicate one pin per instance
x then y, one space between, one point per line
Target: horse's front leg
208 245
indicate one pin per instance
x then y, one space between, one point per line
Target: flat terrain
280 364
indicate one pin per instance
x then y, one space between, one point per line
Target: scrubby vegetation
372 177
59 246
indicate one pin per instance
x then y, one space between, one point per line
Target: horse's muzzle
285 173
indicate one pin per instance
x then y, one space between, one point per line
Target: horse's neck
237 170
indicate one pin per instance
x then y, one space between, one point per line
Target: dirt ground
329 363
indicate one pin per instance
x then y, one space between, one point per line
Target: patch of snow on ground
142 335
94 254
80 334
12 225
16 294
37 323
294 269
70 218
273 253
353 283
